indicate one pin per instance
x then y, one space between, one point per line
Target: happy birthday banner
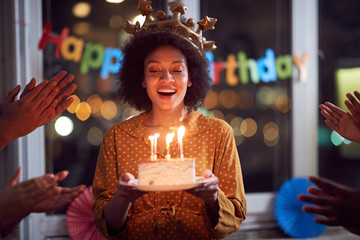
238 68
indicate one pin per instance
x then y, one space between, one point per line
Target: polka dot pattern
177 214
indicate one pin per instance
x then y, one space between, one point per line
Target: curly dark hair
132 69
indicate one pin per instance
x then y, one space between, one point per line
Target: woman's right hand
128 193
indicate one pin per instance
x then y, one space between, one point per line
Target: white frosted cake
175 171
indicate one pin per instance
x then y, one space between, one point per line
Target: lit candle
156 135
151 138
180 135
169 138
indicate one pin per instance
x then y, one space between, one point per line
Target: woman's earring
189 84
143 84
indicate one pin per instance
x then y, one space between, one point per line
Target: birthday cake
175 171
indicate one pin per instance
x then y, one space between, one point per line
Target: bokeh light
114 1
272 143
64 126
212 100
245 100
248 127
283 103
265 96
218 114
323 136
116 21
81 9
95 103
94 136
239 140
228 98
235 124
271 131
108 109
335 138
81 28
84 111
74 106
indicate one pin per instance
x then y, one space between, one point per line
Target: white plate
148 188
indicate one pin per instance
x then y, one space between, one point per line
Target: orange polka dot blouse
176 214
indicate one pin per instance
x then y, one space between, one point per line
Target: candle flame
181 132
169 137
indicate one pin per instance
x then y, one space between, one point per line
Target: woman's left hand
207 191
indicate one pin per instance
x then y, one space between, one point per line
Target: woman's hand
207 191
128 193
115 212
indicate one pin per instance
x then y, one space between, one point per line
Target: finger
324 211
318 200
335 109
350 107
126 177
30 96
61 175
46 96
353 101
29 87
64 105
56 79
207 174
48 100
357 95
14 179
77 189
332 125
62 85
65 94
12 95
330 187
354 108
327 221
328 114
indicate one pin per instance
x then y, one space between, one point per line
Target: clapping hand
336 204
340 121
36 106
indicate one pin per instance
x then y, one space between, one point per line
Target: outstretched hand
353 105
336 204
19 198
37 106
60 197
340 121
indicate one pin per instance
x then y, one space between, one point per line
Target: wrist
5 137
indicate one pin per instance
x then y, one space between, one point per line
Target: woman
165 75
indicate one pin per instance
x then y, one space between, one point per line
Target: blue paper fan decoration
288 210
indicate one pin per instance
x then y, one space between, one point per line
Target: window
28 63
339 73
252 85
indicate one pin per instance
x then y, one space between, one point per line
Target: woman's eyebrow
156 61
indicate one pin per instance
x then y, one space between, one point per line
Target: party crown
174 24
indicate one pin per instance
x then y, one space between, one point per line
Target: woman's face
166 78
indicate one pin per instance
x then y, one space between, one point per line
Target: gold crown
174 24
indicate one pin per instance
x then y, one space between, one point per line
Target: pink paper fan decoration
79 218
